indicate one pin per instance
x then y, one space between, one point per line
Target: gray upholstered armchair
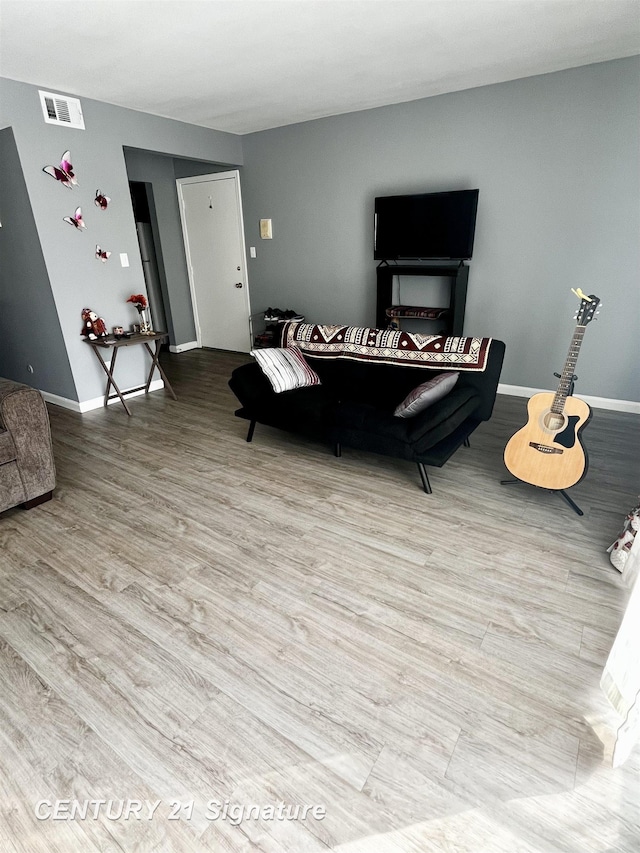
27 472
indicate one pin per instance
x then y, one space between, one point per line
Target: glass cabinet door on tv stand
450 317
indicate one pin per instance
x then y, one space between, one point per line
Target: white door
211 213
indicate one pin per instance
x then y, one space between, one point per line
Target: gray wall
76 278
30 332
555 158
556 161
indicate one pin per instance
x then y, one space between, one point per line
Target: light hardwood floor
196 618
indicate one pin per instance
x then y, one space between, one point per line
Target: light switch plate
266 232
124 259
252 251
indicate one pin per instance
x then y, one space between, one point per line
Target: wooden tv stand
452 316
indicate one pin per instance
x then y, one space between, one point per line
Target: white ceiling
248 65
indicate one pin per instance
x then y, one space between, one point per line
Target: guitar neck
566 378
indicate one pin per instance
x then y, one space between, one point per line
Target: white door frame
200 179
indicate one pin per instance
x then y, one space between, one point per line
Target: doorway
142 201
211 214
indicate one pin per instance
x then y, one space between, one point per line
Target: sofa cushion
426 394
7 447
307 411
383 385
367 427
286 369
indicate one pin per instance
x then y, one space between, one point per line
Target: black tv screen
425 226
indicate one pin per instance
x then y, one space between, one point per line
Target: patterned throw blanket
387 346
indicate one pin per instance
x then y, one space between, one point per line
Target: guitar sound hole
553 421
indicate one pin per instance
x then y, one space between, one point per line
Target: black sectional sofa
354 405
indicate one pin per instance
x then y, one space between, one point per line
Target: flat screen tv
427 226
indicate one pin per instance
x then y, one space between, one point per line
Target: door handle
238 284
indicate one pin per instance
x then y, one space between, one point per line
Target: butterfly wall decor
102 255
63 172
101 200
76 220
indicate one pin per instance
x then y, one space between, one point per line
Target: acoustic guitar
548 450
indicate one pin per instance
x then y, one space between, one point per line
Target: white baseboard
96 402
63 402
184 347
595 402
511 390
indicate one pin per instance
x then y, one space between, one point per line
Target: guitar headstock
587 309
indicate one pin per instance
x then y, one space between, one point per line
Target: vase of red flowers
140 301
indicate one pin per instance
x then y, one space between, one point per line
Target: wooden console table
115 344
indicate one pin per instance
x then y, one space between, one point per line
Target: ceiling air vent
61 110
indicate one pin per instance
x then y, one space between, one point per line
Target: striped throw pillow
286 369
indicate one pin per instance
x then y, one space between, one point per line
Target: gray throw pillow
427 394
